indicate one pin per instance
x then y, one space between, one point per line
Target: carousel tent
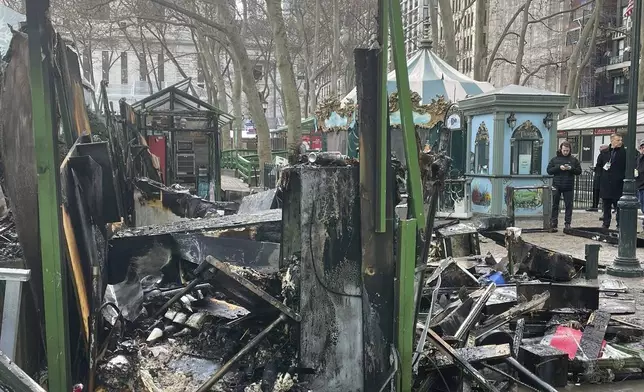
430 77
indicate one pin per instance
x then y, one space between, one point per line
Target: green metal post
406 310
626 263
383 124
45 137
414 185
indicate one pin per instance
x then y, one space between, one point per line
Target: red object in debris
567 340
157 147
77 388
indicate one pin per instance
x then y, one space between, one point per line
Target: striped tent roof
430 76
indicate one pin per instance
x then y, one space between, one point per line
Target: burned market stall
183 132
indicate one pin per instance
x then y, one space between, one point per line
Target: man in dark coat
611 183
564 167
639 177
597 171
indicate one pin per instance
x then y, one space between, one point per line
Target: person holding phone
563 167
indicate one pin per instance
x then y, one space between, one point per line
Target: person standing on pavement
597 171
611 184
639 177
563 167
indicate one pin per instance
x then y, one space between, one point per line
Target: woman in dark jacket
612 162
564 167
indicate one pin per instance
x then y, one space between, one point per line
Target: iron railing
583 194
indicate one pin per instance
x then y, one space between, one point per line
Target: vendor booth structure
511 137
183 132
588 128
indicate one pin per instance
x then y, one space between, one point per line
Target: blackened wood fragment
590 345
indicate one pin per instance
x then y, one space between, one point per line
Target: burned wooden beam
461 362
378 264
600 234
245 291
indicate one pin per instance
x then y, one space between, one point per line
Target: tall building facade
612 62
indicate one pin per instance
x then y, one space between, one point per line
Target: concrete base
625 269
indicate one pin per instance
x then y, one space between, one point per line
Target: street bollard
592 261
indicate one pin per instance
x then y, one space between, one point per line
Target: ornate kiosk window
525 151
482 150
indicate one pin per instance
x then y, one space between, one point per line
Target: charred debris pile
535 318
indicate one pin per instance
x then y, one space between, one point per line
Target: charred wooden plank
378 265
461 362
590 345
245 291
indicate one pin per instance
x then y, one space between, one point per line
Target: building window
161 67
618 85
620 47
482 150
525 150
124 68
105 66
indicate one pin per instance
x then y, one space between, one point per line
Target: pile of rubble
168 336
530 319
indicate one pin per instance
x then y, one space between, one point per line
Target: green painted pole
406 310
626 263
383 120
414 185
46 141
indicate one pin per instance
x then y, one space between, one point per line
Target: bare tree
231 30
449 31
285 68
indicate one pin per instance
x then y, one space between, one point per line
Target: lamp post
626 263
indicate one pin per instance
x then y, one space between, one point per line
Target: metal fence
583 195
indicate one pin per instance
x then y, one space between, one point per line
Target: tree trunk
314 63
237 103
576 53
335 57
433 18
447 17
480 46
518 66
222 99
584 63
287 76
